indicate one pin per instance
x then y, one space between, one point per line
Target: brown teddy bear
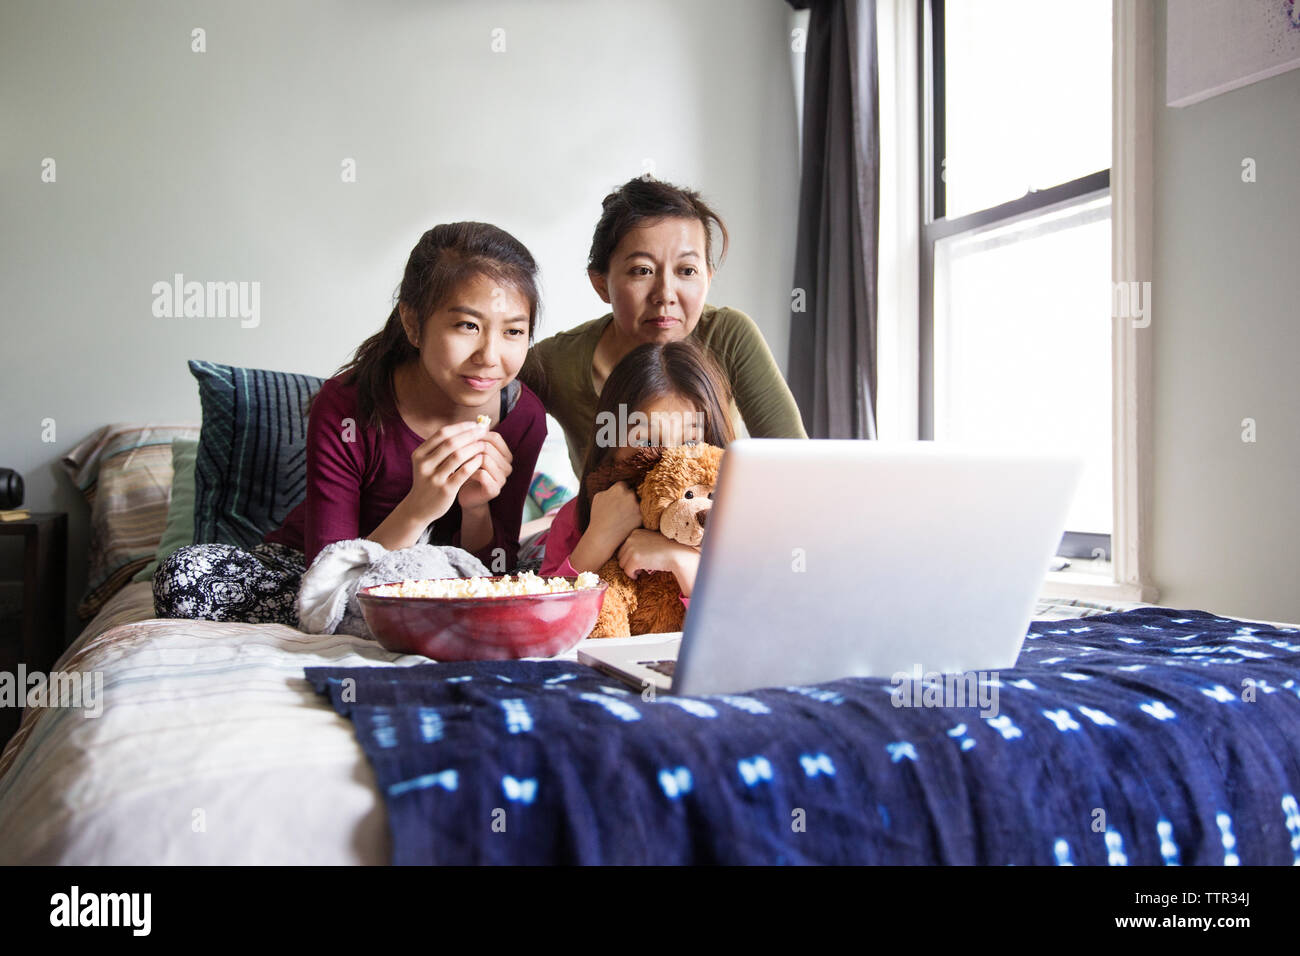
675 490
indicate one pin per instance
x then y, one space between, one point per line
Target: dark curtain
833 340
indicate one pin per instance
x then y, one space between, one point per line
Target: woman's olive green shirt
558 369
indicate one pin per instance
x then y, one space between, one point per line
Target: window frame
1129 181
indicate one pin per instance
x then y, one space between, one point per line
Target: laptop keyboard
660 667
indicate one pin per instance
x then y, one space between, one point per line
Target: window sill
1094 579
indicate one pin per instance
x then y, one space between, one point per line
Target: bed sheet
212 748
1155 736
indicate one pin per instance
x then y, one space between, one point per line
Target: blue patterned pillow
251 469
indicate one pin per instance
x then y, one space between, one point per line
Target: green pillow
180 513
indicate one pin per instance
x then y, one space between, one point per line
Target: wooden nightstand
41 634
37 635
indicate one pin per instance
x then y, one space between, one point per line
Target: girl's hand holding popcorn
489 472
442 466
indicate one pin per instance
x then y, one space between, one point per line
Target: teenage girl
396 451
683 398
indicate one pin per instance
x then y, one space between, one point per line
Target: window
1015 339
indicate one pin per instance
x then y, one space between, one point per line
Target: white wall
225 165
1226 337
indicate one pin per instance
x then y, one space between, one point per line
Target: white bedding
203 723
197 716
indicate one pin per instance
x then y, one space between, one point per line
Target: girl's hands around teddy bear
615 512
646 550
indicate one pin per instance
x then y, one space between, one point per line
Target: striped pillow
125 473
251 469
179 530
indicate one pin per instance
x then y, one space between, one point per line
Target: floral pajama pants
220 582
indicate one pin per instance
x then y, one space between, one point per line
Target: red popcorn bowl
482 628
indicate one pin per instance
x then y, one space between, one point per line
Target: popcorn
524 583
483 420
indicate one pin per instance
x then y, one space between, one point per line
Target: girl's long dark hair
446 256
653 371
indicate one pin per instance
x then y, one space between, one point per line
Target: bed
211 748
1126 734
225 743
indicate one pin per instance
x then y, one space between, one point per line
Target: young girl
426 429
683 398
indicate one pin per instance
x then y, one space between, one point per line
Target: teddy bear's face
677 493
683 520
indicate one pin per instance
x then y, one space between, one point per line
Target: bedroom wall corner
1226 336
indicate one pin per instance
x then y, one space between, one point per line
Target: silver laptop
835 558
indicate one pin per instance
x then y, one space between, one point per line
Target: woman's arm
401 529
332 510
762 396
530 528
477 530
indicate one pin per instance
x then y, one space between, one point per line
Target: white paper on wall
1219 45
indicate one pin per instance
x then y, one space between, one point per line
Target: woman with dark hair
426 435
651 260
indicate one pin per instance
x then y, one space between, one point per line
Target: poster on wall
1220 45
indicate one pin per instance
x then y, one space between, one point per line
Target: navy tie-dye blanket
1152 736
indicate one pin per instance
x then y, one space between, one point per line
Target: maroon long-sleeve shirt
353 485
